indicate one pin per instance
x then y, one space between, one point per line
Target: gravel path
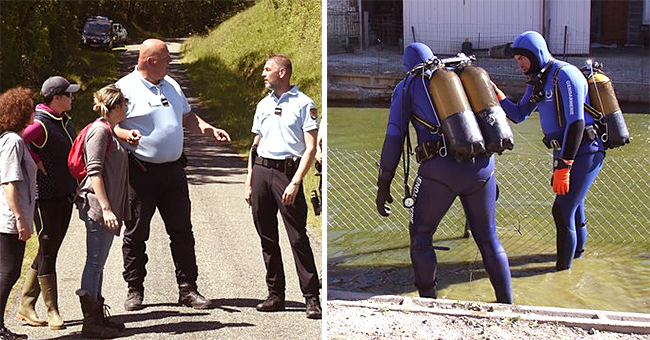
231 269
353 316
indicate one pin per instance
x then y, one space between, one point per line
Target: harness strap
427 150
422 121
590 133
558 106
597 115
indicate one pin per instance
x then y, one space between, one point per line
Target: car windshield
97 27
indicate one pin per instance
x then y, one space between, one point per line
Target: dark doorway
385 22
609 21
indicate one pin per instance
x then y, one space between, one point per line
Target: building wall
635 20
338 5
575 16
444 24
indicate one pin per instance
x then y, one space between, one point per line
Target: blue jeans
98 244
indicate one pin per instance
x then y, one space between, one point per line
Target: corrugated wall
444 24
575 16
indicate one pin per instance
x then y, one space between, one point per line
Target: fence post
565 34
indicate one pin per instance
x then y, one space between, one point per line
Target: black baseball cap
57 85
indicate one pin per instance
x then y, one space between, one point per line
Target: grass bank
226 65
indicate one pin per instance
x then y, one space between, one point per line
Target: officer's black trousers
268 185
163 187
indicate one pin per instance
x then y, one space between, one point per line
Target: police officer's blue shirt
156 110
282 122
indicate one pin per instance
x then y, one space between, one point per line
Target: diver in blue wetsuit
578 153
440 179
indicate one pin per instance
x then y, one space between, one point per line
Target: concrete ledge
379 88
363 80
636 323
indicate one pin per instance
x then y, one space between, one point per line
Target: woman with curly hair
18 181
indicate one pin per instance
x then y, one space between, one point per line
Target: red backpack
76 162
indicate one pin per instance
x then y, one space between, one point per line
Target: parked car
100 31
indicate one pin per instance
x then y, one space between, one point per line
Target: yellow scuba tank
603 99
456 117
489 114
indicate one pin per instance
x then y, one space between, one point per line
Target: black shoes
6 334
273 303
190 297
312 306
134 300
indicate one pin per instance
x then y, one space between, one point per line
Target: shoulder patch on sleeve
313 113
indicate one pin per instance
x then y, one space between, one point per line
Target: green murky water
612 277
372 256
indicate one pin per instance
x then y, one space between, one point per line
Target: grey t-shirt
16 165
112 166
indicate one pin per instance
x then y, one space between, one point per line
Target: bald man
157 112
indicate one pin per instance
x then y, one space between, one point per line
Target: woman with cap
577 152
18 181
50 138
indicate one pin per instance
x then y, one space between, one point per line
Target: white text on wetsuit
570 93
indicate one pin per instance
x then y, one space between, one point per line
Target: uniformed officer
577 152
159 109
440 179
285 128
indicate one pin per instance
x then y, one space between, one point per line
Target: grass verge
226 66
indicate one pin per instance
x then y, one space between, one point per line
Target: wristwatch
561 163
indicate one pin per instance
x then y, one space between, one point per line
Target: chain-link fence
617 205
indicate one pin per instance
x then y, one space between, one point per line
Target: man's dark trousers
268 185
162 186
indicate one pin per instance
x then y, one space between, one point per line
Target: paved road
231 269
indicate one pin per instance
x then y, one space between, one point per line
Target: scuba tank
489 114
603 99
456 117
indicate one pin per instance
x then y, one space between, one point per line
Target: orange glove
500 95
561 176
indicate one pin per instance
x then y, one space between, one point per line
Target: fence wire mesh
616 205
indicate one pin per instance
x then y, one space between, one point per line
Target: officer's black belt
144 165
427 150
270 163
590 133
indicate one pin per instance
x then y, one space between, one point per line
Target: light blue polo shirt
282 122
156 110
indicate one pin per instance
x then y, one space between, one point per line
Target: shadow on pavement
183 327
228 304
208 162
